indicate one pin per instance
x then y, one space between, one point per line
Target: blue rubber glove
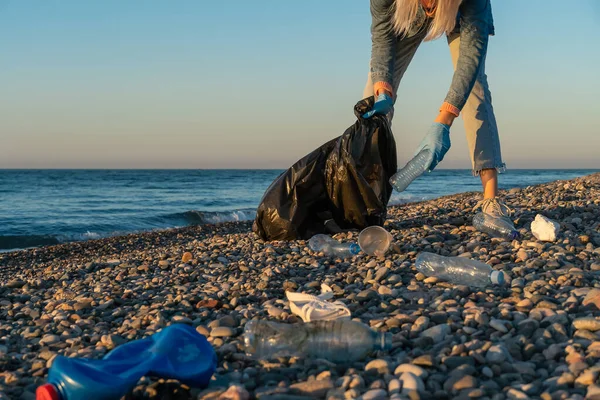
383 105
438 141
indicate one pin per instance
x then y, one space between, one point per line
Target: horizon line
266 169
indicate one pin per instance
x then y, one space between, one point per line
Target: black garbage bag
342 185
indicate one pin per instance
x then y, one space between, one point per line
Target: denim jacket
474 23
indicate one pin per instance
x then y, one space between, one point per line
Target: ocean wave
75 237
187 218
15 242
195 217
24 241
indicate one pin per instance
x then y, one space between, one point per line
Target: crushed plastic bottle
458 270
176 352
495 227
336 341
412 170
331 247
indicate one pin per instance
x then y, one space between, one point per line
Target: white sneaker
496 208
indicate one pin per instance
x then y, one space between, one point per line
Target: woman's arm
475 22
382 51
475 17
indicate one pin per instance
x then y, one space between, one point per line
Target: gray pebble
487 371
437 333
456 361
527 326
274 312
375 394
410 383
222 331
413 369
514 394
380 366
394 386
203 330
312 388
588 324
495 355
498 325
49 339
381 273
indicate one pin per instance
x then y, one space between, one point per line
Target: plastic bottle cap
354 248
47 392
497 278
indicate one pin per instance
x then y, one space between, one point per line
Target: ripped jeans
478 114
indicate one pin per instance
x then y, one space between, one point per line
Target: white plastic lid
497 278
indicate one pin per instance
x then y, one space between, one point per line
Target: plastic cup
374 240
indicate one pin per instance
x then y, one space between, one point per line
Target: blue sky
258 84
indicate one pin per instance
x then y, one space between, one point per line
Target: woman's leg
489 181
481 128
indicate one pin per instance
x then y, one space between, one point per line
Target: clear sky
258 84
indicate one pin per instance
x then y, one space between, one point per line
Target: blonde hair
444 19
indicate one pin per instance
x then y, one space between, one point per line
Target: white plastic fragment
544 228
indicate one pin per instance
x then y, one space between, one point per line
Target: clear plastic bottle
458 270
336 341
331 247
495 227
412 170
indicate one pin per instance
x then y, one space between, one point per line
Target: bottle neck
382 341
353 248
386 341
60 388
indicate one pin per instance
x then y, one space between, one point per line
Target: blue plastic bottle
176 352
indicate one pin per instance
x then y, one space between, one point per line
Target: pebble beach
537 337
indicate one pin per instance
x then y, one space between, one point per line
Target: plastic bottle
336 341
176 352
331 247
412 170
458 270
495 227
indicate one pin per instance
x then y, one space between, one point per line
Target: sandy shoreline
524 340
